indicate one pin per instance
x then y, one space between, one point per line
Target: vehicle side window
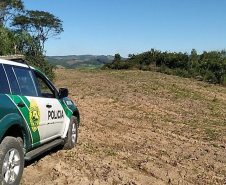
46 91
12 80
4 86
25 81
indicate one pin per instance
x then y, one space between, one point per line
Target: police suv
34 117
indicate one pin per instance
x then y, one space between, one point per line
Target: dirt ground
139 128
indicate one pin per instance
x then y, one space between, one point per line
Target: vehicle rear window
12 80
4 86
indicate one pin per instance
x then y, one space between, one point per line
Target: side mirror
63 92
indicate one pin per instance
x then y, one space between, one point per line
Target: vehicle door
55 115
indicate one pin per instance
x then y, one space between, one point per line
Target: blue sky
107 27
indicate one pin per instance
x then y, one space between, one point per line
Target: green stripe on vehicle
26 111
67 111
25 100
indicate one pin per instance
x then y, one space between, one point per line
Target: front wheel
11 161
72 134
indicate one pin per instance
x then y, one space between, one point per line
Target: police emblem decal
34 115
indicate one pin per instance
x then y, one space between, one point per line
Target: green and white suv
34 117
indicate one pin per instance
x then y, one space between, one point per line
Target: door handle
21 105
48 106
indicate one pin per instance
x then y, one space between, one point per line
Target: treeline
25 32
208 66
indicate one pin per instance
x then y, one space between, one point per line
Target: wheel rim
74 133
11 165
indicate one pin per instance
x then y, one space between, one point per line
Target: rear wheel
72 134
11 161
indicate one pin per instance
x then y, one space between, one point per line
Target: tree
194 60
4 41
30 32
117 61
7 41
41 25
117 58
9 9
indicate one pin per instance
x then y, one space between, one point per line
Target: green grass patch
212 134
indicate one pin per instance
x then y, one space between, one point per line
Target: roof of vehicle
17 62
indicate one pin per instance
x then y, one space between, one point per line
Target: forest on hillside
208 66
25 32
79 61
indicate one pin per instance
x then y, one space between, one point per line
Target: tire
72 135
11 161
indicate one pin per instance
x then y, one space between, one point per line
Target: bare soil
139 128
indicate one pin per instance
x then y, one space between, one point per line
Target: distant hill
80 61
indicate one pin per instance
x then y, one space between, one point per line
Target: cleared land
139 128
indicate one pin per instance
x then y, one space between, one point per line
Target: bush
223 80
181 72
210 77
